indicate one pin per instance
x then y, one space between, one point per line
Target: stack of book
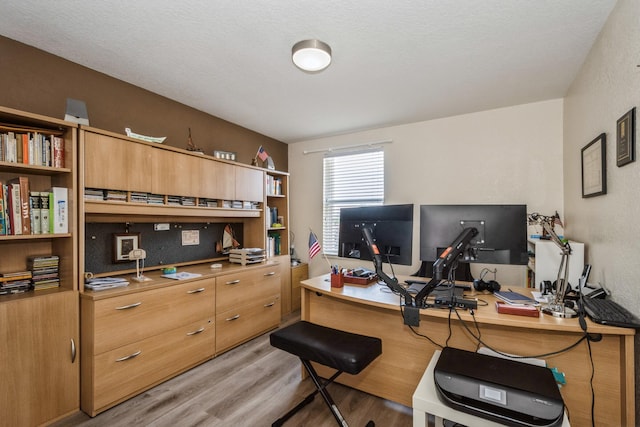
15 283
246 256
44 271
93 194
116 195
188 201
138 197
155 199
174 200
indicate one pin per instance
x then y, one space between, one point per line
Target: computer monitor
391 227
501 238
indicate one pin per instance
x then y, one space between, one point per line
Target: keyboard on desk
608 312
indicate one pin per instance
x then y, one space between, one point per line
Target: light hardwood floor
252 385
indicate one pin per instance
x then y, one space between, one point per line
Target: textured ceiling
394 62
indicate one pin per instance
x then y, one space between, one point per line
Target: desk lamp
555 306
139 254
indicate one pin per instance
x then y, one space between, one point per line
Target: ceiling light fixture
311 55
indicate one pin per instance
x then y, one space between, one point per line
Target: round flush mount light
311 55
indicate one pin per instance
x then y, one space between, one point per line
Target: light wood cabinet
110 161
114 164
247 304
173 174
39 364
299 273
245 184
134 338
133 341
39 358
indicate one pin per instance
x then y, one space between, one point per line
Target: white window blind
350 180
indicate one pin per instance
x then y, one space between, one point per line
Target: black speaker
481 285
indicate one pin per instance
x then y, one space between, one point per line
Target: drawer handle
73 351
131 356
271 304
228 319
271 273
233 282
196 332
126 307
195 291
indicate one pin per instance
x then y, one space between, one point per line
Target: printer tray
501 390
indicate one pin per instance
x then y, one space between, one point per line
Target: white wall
606 87
510 155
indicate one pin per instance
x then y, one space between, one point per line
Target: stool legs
326 396
320 388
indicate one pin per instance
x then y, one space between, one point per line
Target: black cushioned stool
340 350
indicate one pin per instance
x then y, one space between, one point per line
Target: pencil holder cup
337 280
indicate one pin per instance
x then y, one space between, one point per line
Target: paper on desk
538 296
181 276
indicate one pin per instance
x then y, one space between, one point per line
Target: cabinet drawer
128 370
130 318
238 325
246 286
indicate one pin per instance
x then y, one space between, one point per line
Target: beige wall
509 155
606 87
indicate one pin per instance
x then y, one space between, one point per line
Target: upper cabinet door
116 164
217 180
249 184
175 174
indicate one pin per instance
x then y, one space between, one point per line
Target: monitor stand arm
446 258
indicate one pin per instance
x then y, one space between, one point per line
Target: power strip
448 302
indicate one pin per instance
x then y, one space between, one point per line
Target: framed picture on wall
123 243
594 167
625 138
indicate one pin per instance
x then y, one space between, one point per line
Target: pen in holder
337 280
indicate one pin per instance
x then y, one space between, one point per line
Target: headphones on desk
481 285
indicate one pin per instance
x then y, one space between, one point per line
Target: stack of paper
103 283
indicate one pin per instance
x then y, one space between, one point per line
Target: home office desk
372 310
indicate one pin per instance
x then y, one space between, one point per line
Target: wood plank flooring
251 386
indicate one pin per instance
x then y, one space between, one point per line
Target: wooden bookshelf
39 329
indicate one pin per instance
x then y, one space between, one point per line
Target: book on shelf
3 220
58 210
31 147
15 215
34 207
22 210
44 212
57 152
44 271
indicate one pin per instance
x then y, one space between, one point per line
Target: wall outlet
161 227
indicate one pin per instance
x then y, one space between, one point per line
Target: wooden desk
370 310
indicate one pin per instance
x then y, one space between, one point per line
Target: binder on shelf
58 210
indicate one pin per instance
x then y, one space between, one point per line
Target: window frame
366 167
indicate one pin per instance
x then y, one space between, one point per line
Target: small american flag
262 154
314 245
